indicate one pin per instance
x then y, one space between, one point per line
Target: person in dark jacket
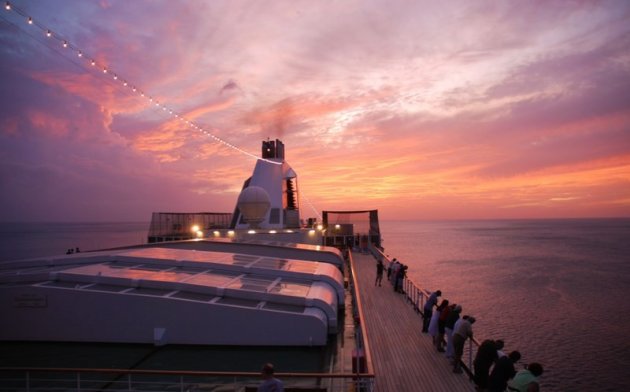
428 309
502 372
379 272
486 355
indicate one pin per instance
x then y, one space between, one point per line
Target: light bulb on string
105 70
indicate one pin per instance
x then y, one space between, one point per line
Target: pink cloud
482 110
53 125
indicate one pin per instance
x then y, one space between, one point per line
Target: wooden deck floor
404 358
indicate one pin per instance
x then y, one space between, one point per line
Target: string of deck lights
66 44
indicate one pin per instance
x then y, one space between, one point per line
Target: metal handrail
362 327
193 373
79 382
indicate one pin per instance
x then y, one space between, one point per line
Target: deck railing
116 380
417 297
362 341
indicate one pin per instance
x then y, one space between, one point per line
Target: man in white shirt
461 332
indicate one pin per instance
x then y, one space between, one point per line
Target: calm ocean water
556 290
25 240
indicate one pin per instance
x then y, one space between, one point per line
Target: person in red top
439 343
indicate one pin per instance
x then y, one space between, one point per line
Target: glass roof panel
243 259
123 264
293 289
177 254
303 266
270 263
129 273
153 267
212 279
251 284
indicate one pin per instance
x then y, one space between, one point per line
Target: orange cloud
92 88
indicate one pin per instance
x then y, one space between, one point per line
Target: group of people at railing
493 369
396 274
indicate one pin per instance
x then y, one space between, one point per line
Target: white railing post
78 382
129 381
181 383
28 381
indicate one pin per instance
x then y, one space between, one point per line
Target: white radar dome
253 202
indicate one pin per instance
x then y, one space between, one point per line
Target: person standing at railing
503 371
451 319
390 267
400 277
486 356
500 344
439 344
395 266
433 324
462 332
428 309
527 379
379 272
270 383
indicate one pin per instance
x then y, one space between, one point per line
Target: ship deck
404 358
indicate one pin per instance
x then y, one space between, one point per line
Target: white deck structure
244 290
162 295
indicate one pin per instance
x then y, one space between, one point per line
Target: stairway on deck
404 358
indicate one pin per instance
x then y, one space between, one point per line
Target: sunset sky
421 109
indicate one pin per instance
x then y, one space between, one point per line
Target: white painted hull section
58 314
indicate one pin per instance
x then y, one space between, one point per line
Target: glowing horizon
423 111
